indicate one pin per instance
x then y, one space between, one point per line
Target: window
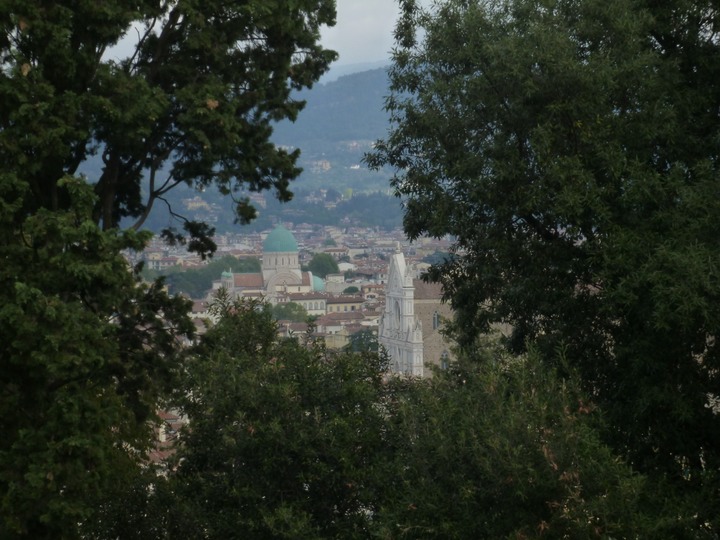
436 320
444 361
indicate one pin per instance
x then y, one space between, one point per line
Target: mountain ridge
340 123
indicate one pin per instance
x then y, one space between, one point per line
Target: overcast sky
364 30
363 33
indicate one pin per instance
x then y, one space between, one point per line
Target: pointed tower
400 331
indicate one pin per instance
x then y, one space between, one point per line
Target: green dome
318 284
279 240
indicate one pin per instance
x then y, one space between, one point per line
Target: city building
280 273
410 326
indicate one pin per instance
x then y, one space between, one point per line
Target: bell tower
400 331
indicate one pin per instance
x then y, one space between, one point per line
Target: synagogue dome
280 240
318 284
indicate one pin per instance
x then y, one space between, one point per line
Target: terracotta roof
370 270
345 300
199 306
167 416
355 328
285 327
307 296
340 316
254 280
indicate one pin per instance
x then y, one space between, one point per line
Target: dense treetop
88 353
193 103
571 148
197 282
291 440
323 264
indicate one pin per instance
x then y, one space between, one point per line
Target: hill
340 122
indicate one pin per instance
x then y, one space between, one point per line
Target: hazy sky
363 32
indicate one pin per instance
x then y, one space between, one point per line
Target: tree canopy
323 264
88 352
288 439
363 341
193 102
196 282
285 438
502 446
289 311
571 149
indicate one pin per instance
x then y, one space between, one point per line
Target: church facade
410 327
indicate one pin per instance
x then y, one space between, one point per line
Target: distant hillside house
280 272
410 326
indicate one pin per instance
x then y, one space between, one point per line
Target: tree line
288 439
569 148
88 351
